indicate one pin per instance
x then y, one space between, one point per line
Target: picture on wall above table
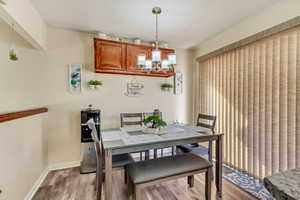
75 75
134 88
178 81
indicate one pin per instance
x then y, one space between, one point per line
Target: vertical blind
255 93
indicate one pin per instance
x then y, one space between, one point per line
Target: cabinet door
165 53
109 55
131 59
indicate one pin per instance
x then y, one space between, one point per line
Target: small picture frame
75 76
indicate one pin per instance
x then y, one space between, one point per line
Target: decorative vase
151 130
102 35
137 41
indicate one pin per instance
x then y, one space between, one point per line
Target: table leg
108 175
219 160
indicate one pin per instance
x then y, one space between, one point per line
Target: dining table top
136 135
133 139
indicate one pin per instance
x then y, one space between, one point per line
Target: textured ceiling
183 23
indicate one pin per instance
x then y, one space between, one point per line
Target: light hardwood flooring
69 184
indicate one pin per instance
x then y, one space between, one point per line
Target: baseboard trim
63 165
37 184
59 166
44 174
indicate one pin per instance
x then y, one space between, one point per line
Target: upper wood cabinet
121 58
132 51
109 55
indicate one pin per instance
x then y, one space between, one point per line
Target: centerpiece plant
154 122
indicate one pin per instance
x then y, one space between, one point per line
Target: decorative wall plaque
134 88
178 81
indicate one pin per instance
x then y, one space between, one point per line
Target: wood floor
69 184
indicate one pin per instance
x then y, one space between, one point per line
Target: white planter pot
165 89
92 87
151 130
97 86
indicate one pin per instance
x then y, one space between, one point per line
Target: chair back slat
128 119
211 127
206 117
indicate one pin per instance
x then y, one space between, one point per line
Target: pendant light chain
156 34
157 63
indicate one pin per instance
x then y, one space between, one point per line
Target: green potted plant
154 123
95 84
13 55
166 86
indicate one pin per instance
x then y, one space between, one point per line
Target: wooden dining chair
118 161
131 119
154 171
205 121
155 151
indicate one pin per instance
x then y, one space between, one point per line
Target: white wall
27 21
23 153
274 15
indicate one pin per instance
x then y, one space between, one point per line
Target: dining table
136 139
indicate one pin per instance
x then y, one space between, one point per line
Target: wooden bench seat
151 172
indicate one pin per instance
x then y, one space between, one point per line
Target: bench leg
155 153
137 192
178 151
208 180
173 150
141 156
125 175
191 181
130 189
147 155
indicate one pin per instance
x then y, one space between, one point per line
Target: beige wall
276 14
23 153
40 79
23 144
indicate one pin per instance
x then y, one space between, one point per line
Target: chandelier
156 63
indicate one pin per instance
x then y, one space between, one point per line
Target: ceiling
183 23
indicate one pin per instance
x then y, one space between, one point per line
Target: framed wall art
75 75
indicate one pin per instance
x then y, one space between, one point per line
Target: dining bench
151 172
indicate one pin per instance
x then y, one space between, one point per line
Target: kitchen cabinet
109 56
113 57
